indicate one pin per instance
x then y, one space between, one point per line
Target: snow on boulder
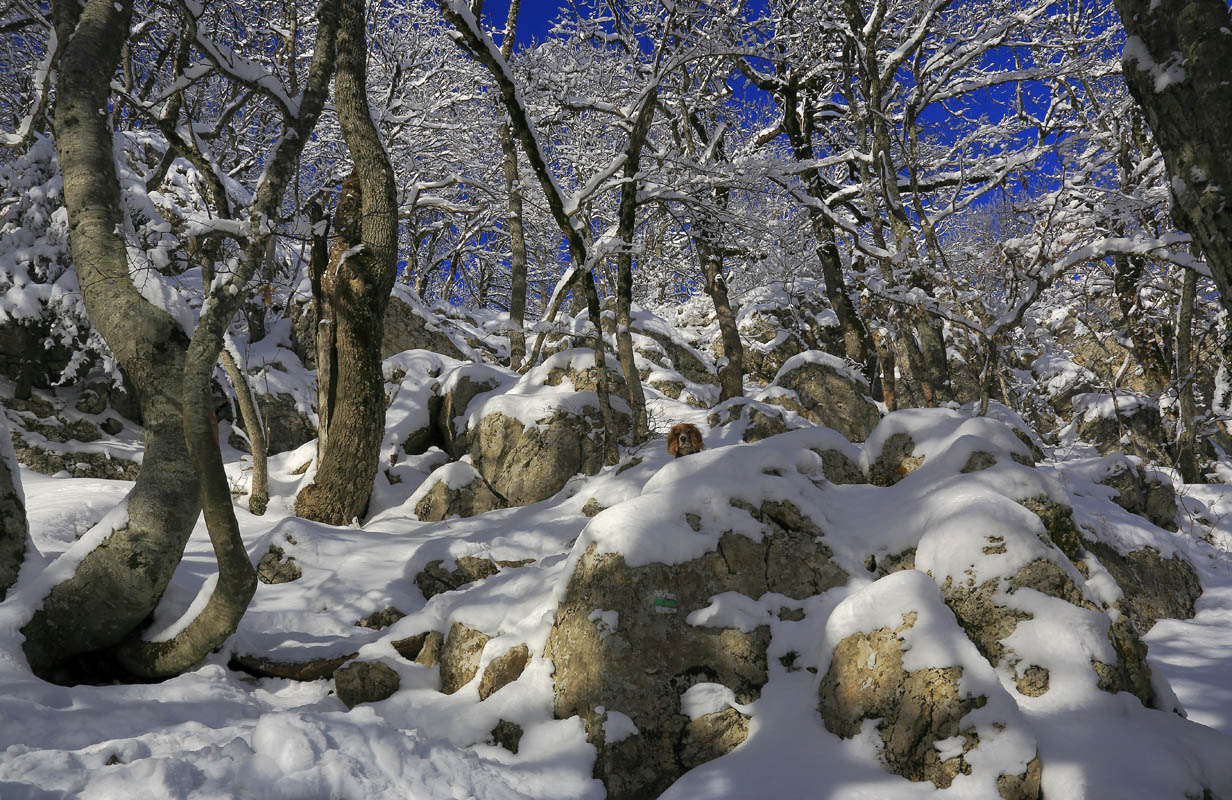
897 655
905 439
411 325
454 490
675 588
458 387
1119 422
528 438
824 390
746 420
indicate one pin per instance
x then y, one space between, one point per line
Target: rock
839 468
47 461
458 388
1149 496
111 426
508 735
528 464
988 624
410 328
434 580
1153 587
712 735
924 714
642 666
866 680
365 682
830 393
380 619
286 425
1131 425
460 656
503 670
1058 520
896 461
313 669
592 507
759 420
93 399
272 568
422 648
456 490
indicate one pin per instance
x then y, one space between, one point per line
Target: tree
1177 60
118 583
357 285
14 535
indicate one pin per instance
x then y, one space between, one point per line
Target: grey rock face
365 682
642 667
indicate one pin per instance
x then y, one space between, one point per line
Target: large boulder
457 389
904 440
409 325
751 420
454 490
1121 423
528 463
900 658
630 640
827 392
460 655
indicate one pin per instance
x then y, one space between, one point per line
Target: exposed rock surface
406 328
434 579
459 658
365 682
503 670
653 655
827 393
526 464
277 567
311 669
1154 587
456 490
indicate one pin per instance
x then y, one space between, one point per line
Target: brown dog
684 440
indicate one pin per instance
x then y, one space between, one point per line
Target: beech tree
357 283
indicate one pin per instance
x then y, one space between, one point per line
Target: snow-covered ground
216 733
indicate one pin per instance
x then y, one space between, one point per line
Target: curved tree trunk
14 535
358 285
237 579
731 370
117 585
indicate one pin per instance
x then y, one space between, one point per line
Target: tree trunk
517 257
358 287
14 535
237 580
611 453
626 225
884 342
1187 437
1177 60
116 586
323 328
254 427
517 234
731 366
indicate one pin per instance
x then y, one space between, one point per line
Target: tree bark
118 584
358 286
14 534
237 579
517 233
626 225
1177 60
731 368
254 427
1187 437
